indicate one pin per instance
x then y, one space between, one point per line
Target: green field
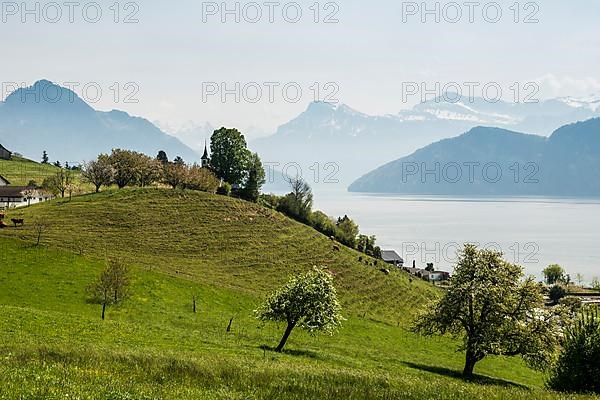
19 171
229 254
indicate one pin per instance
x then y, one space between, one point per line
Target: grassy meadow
19 171
228 254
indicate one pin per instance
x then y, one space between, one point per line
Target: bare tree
40 227
59 182
112 286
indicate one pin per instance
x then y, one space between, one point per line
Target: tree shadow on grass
296 353
479 379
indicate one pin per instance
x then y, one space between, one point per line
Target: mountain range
49 117
495 161
357 142
336 140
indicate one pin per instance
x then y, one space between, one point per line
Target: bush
557 292
269 200
224 189
578 366
201 179
323 223
573 304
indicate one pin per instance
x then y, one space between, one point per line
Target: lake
532 232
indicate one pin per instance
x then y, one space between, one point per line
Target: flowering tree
307 300
494 310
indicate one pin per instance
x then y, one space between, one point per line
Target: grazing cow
2 215
3 225
385 271
18 221
336 247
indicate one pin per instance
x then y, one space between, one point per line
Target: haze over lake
533 232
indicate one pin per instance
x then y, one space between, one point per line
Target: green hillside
229 254
19 171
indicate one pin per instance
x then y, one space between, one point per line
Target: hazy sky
177 50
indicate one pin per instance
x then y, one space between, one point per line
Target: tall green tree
45 159
230 157
553 274
494 310
347 231
255 179
307 300
162 157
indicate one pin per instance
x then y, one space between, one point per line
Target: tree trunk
285 337
470 362
103 310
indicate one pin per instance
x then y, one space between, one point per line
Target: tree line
298 205
232 170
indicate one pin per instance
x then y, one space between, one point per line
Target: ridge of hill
219 241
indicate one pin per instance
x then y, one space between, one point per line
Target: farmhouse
436 276
20 196
4 153
391 257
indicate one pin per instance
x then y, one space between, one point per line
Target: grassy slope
19 171
230 254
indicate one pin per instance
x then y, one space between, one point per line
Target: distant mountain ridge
358 143
49 117
494 161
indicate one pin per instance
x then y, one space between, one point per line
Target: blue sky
171 55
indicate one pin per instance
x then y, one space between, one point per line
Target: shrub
557 292
323 223
269 200
573 304
201 179
578 366
224 189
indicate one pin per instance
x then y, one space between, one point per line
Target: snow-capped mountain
355 142
192 134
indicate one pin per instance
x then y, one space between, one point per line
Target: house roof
4 179
12 191
2 147
391 255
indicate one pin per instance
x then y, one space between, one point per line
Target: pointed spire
205 158
205 155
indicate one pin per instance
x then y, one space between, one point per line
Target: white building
20 196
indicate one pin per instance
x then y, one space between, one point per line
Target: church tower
205 158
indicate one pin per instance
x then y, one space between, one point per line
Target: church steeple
205 158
